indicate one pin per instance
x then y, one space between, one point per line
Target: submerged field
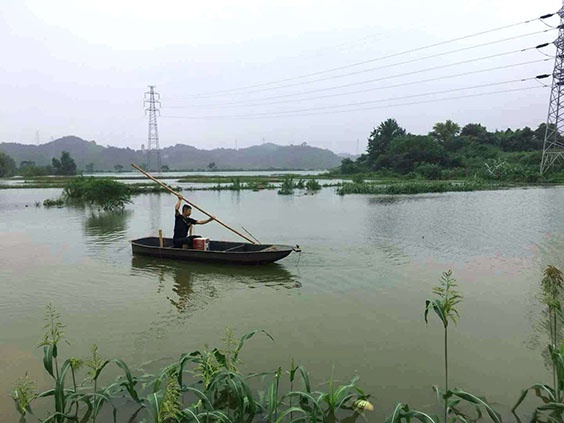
351 304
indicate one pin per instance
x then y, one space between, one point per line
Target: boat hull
218 252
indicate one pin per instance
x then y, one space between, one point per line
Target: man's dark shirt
181 225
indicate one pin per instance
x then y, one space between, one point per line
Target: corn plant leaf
305 378
200 395
437 307
193 357
98 370
155 401
47 393
220 357
244 338
65 368
130 382
309 398
536 387
479 402
48 359
403 413
290 411
217 415
552 406
190 414
59 396
89 409
57 417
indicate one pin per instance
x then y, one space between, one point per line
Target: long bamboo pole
192 204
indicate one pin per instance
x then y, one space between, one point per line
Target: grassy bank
419 187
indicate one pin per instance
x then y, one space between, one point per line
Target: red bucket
200 243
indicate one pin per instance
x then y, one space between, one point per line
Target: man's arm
178 204
203 222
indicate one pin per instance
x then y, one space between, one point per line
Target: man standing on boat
183 224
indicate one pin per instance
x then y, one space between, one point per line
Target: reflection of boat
106 223
191 285
185 272
218 251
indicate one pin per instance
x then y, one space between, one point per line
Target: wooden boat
218 251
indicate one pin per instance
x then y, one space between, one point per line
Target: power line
300 113
215 93
396 64
364 91
395 76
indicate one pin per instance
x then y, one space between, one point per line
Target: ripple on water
368 265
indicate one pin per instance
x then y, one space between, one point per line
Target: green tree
520 140
118 168
90 168
64 166
480 134
380 139
7 165
444 132
407 152
348 166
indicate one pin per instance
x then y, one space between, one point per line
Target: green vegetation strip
415 187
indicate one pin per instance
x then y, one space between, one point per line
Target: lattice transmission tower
152 105
553 147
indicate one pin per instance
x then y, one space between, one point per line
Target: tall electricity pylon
553 147
152 105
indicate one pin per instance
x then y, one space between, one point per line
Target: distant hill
178 157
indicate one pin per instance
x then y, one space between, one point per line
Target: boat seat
234 248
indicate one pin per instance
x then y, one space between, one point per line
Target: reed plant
454 401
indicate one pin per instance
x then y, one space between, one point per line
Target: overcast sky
240 73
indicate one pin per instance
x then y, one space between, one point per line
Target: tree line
449 151
64 166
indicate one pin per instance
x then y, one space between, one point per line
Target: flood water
351 303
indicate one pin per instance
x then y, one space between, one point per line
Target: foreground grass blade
244 338
402 413
537 387
479 402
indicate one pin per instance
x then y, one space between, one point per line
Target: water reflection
155 205
192 285
106 223
182 288
394 199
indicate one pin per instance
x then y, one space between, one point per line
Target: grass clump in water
287 187
104 193
54 202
